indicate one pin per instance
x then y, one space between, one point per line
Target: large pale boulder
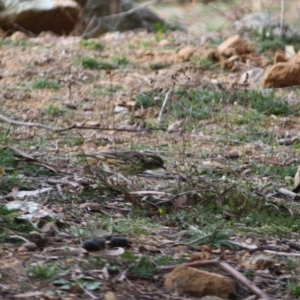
58 16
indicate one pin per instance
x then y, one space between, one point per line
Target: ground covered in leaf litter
227 152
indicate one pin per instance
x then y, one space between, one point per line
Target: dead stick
29 124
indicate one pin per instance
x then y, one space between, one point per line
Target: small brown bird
128 162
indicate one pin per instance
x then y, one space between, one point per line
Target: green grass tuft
42 84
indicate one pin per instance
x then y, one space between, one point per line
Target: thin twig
85 290
28 124
282 17
176 196
163 106
18 237
74 126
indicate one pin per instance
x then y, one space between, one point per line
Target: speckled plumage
128 162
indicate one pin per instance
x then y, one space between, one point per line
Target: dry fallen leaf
91 206
180 201
216 166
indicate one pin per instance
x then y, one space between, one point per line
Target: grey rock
101 16
260 21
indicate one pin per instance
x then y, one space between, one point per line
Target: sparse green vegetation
54 111
138 226
148 99
92 44
268 41
204 63
43 272
204 103
22 44
167 261
294 288
41 84
10 180
104 91
159 65
93 64
143 268
7 159
160 27
120 61
9 223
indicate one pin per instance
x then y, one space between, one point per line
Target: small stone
19 36
279 57
233 154
95 244
116 241
285 142
110 296
163 43
30 246
88 107
70 105
118 216
186 53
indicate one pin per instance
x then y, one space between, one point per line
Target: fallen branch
28 124
177 196
288 193
74 126
163 106
282 253
226 267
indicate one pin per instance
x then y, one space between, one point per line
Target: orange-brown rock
231 51
208 53
282 74
235 42
279 57
295 59
58 16
199 283
185 53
